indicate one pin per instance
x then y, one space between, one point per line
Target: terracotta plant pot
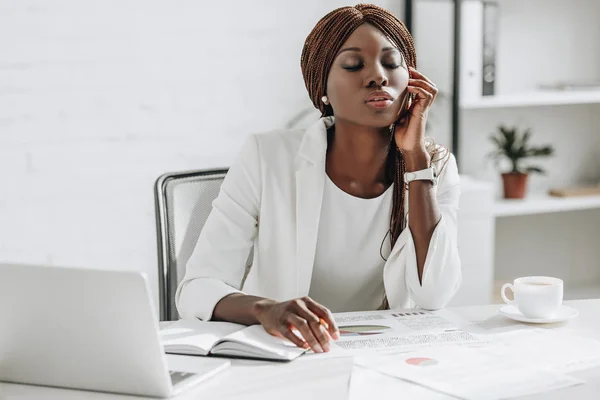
514 185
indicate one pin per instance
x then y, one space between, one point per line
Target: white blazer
271 197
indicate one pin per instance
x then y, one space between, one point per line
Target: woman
343 216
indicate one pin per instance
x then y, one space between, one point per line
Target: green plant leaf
493 154
540 151
513 145
535 169
525 138
496 141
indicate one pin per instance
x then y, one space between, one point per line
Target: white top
270 201
348 270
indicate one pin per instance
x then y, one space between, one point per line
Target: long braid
318 54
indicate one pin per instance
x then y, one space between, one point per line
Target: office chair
183 202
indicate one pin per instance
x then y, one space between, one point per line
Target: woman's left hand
410 130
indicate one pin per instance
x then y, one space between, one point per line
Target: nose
376 76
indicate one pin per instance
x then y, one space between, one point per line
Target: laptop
86 329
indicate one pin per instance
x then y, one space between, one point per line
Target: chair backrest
183 202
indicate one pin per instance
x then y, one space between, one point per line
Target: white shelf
533 99
540 204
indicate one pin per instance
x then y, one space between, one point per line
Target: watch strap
427 174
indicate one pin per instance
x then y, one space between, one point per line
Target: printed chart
421 361
363 330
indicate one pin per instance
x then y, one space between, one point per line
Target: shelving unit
539 235
541 204
543 98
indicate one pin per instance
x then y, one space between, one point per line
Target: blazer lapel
310 180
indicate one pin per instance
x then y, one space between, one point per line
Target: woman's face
367 79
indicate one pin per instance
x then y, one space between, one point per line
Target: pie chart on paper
363 330
421 361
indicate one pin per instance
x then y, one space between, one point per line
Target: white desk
329 378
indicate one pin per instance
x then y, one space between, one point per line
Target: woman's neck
356 158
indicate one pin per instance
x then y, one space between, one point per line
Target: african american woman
357 212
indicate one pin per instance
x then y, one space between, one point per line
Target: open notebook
195 337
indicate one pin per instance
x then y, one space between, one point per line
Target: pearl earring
325 100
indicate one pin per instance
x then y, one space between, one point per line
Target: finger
416 74
314 322
424 85
287 333
306 332
284 330
422 94
324 313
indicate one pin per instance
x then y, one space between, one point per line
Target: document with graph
467 373
398 330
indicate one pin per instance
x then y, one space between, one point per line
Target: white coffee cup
535 296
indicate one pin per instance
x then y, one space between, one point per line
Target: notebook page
197 334
266 344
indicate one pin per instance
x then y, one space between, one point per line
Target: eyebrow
358 49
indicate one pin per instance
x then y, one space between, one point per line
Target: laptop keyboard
178 377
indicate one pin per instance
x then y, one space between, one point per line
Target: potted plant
514 146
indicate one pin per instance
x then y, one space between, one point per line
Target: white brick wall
99 98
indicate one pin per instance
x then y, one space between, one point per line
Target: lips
378 96
379 99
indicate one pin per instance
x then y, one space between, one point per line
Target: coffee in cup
535 296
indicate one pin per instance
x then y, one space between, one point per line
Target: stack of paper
547 349
513 364
467 373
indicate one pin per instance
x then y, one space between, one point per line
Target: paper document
397 331
547 349
402 321
370 384
467 373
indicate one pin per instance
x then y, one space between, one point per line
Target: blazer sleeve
442 274
217 265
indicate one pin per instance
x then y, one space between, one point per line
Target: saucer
564 313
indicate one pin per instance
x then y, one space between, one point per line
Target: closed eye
353 67
358 67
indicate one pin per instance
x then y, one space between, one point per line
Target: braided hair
320 49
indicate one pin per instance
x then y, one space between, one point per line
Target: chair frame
164 242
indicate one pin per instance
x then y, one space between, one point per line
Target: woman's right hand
303 314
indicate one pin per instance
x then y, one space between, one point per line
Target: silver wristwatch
427 174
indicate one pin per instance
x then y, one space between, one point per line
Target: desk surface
304 379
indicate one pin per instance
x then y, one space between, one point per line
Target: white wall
434 42
564 245
97 99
